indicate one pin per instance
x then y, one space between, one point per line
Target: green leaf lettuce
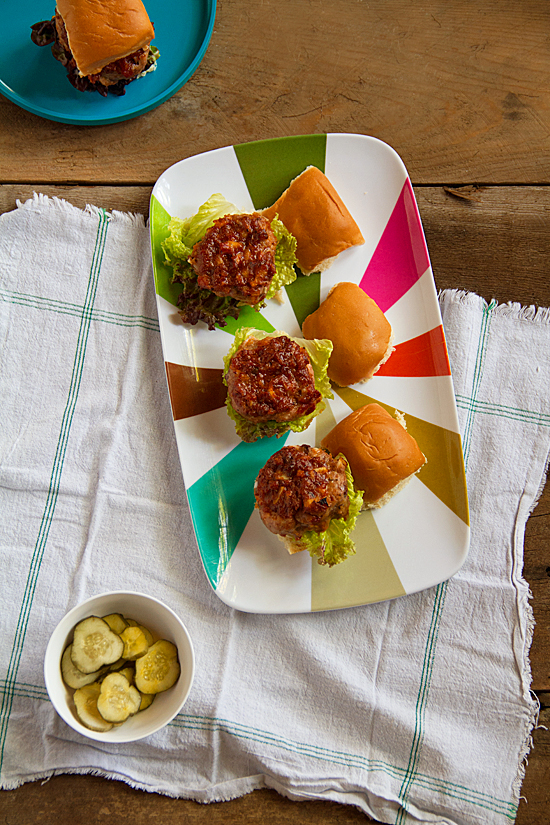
334 545
201 304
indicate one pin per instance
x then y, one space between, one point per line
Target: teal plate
34 80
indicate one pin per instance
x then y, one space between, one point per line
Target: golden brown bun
382 455
312 210
101 31
360 333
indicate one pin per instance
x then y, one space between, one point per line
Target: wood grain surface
460 90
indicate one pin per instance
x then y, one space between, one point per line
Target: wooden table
461 91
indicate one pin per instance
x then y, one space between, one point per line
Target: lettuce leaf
319 351
198 304
185 233
334 545
285 258
151 63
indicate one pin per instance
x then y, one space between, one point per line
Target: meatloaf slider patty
236 258
301 488
272 380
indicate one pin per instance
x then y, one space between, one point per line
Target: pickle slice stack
116 668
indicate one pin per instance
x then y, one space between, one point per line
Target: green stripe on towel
55 479
502 411
439 601
356 761
76 310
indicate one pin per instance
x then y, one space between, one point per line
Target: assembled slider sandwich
308 499
103 45
226 259
382 455
360 333
275 383
313 211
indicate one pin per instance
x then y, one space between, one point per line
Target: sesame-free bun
382 455
313 211
361 334
101 31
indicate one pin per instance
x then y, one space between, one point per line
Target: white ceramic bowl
162 622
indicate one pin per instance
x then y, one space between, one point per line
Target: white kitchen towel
389 707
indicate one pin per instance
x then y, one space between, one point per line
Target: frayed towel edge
511 309
206 796
40 200
532 700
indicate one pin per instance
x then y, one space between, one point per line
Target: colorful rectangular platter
421 537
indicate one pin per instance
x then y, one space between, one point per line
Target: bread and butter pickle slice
129 672
85 700
72 676
159 669
117 699
118 665
135 642
95 645
116 622
146 700
147 633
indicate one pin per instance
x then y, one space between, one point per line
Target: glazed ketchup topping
301 488
272 380
236 257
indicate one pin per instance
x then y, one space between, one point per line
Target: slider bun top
382 455
101 31
312 210
360 333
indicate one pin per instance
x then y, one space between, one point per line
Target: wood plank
537 572
495 242
104 801
101 800
535 790
133 199
459 91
